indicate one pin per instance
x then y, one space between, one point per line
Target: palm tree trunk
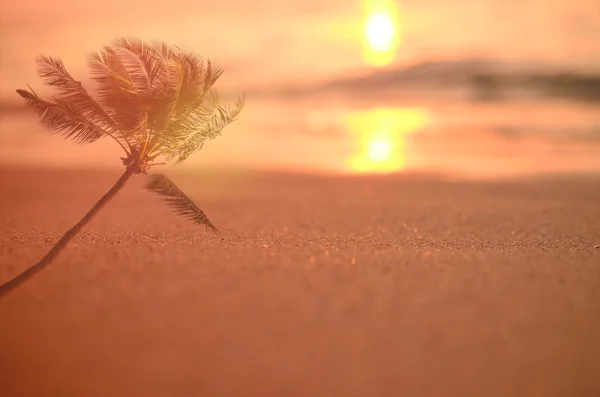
16 282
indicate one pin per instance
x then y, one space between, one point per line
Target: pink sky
273 42
266 41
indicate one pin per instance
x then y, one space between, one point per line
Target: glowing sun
381 32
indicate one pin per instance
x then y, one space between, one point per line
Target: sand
317 286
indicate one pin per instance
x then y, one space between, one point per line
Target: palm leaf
198 81
156 99
164 96
178 201
118 93
53 73
140 61
189 135
185 122
138 80
60 117
188 97
183 91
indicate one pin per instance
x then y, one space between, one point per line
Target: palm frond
188 83
184 123
149 65
211 76
198 81
118 92
164 96
53 73
188 95
140 61
189 134
153 98
73 112
60 117
138 80
178 200
157 71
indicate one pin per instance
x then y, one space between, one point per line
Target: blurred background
482 88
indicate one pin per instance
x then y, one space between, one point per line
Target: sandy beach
317 286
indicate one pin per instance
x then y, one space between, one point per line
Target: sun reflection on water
380 137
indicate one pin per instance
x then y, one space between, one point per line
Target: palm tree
156 101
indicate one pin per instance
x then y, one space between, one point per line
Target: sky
268 44
272 41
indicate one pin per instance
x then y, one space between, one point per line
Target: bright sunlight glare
381 32
379 150
380 136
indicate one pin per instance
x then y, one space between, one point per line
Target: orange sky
274 42
262 41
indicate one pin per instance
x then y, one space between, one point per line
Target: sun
381 32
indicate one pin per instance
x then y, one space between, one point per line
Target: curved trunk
64 240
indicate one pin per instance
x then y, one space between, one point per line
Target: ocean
336 133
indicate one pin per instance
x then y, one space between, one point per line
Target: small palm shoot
156 101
